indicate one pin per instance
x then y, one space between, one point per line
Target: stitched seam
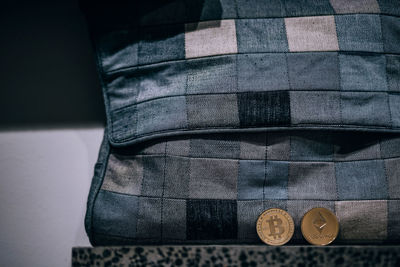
127 68
163 190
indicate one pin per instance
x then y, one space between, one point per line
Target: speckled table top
234 255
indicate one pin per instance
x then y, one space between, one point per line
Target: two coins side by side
319 226
275 227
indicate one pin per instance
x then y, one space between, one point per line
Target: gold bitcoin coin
319 226
275 227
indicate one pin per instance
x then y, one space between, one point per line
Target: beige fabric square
362 220
208 38
355 6
317 33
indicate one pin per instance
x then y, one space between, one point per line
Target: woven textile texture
218 110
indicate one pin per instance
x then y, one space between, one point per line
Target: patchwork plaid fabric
218 110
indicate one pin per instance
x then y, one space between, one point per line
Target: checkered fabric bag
220 109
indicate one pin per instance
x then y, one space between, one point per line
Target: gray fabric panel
177 177
313 70
392 167
262 72
258 8
315 107
179 147
213 178
222 109
153 175
123 175
364 179
390 146
312 180
149 218
161 114
248 212
390 32
174 219
252 146
311 146
115 214
393 72
215 147
355 6
393 231
307 7
278 146
261 35
211 75
359 32
362 220
362 108
363 72
394 100
207 38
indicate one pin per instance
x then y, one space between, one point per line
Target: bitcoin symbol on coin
275 227
274 223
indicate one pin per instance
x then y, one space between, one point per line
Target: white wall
44 182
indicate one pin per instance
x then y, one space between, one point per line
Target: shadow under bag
218 110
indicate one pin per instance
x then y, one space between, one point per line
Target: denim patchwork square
207 38
315 107
393 231
391 34
362 72
313 70
317 33
123 90
149 218
178 146
251 179
276 180
394 100
161 80
213 178
161 114
211 75
215 146
211 219
390 146
261 35
362 220
355 6
176 181
312 180
262 72
364 179
252 145
309 145
115 214
153 175
355 146
307 7
123 175
297 209
359 32
278 146
160 43
264 108
118 49
247 215
392 167
174 219
393 72
389 7
199 10
365 108
222 108
258 8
